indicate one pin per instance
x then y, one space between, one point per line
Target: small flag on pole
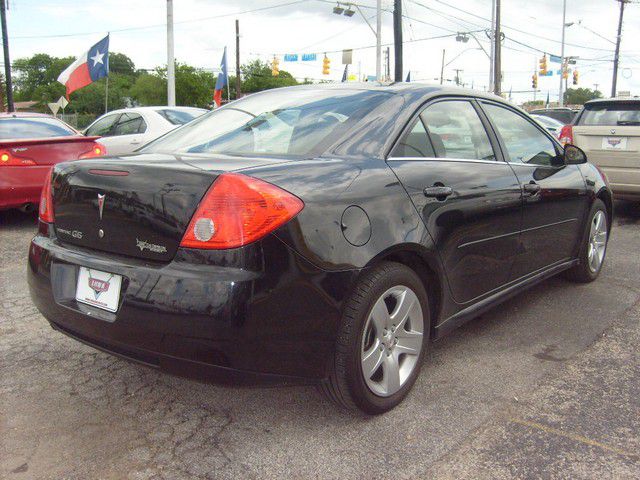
87 68
408 77
547 104
345 74
222 79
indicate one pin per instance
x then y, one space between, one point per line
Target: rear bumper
21 185
191 317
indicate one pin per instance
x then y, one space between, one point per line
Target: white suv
609 132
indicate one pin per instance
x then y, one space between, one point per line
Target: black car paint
272 308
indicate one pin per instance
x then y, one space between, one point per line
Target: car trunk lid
139 206
48 151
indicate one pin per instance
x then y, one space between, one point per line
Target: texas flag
88 67
222 79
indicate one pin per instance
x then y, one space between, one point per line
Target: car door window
102 127
524 141
414 143
456 131
130 124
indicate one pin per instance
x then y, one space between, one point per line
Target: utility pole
616 58
7 61
442 67
171 64
457 70
379 40
387 75
562 60
237 58
497 60
493 45
397 38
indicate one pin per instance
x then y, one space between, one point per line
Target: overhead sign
347 57
308 57
555 59
291 57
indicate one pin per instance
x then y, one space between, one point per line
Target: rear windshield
563 116
284 122
610 114
12 128
180 117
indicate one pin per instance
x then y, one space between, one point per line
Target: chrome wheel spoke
380 316
407 302
409 342
391 374
372 360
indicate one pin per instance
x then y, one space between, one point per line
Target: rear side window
456 131
179 117
525 143
102 127
611 114
130 124
415 143
11 128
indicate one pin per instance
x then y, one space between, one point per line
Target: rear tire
385 332
593 247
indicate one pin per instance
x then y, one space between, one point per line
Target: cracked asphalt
546 385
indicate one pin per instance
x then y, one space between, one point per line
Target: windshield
614 113
180 117
25 127
278 122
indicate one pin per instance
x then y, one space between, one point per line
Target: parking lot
546 385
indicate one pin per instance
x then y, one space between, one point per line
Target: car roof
613 100
25 115
153 109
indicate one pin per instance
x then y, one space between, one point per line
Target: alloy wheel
392 340
597 241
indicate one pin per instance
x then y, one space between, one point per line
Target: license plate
99 289
614 143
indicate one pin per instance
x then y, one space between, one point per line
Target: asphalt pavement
546 385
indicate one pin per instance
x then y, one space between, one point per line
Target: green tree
257 77
578 96
194 87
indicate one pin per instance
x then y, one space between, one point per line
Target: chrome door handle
439 192
531 188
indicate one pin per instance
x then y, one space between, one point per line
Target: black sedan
315 234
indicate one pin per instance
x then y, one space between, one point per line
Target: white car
126 130
551 124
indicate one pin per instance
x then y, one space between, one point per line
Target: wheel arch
607 199
426 265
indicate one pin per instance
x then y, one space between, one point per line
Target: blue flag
222 79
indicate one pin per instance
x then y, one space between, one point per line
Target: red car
30 144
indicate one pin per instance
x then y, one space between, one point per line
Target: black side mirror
574 155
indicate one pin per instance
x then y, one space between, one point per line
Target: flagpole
227 74
106 87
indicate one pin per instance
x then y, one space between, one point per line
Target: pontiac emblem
100 204
613 131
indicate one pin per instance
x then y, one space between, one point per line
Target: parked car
315 234
30 144
609 131
564 115
126 130
554 126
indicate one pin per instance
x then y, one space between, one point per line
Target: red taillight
566 135
46 201
8 160
97 150
238 210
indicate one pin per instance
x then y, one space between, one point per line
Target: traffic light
543 65
326 64
565 73
576 76
534 81
275 70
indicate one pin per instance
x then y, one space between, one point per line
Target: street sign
291 57
347 57
555 59
54 106
63 102
308 57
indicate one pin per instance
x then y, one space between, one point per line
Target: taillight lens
97 150
238 210
566 135
9 160
46 201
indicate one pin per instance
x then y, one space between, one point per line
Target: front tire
594 246
381 342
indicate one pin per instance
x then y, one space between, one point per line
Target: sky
275 27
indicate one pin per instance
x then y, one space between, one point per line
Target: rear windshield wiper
628 122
